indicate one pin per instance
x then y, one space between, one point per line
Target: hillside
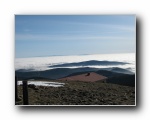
65 72
127 80
52 73
87 77
81 93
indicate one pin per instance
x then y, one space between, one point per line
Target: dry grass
80 93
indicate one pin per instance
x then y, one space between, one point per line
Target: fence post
16 89
25 93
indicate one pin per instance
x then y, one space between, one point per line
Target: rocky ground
80 93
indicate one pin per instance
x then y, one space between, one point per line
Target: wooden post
25 93
16 89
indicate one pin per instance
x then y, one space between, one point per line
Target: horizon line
73 55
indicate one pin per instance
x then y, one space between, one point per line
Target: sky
47 35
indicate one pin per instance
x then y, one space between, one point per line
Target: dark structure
25 93
88 74
16 90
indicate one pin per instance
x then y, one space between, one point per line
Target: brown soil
88 77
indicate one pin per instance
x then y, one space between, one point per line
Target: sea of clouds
44 63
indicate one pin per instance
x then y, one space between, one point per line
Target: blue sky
46 35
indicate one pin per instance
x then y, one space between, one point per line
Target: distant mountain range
63 72
52 74
115 75
89 63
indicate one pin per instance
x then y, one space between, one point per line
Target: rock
32 86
